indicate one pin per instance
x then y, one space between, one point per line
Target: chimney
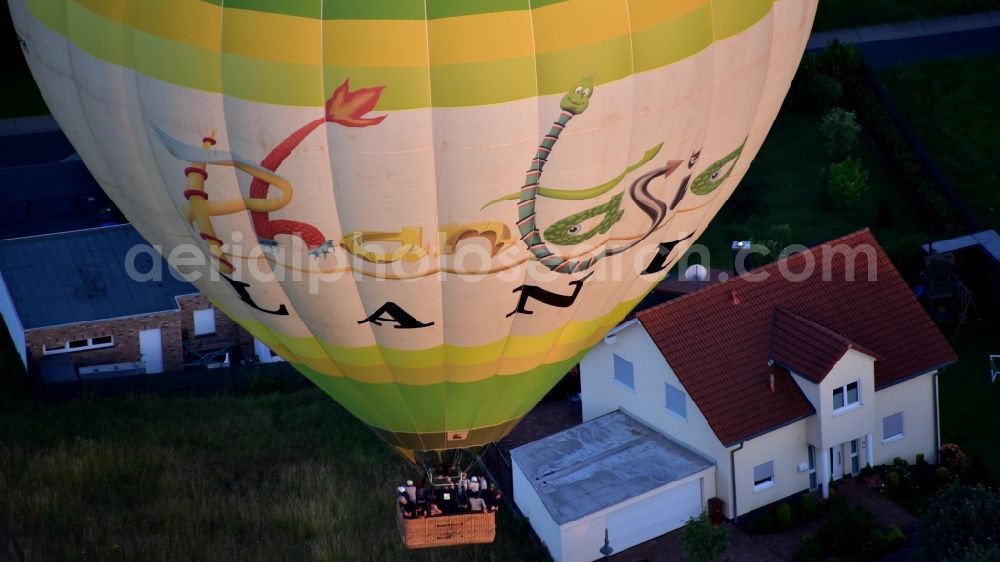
770 381
734 297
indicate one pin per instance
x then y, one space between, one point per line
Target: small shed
614 473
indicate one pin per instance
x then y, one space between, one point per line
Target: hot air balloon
432 208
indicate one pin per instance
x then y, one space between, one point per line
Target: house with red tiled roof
788 376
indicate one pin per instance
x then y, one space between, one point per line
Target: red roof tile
718 339
807 347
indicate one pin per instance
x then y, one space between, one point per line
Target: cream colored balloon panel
224 231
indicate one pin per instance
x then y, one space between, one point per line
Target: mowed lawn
954 108
970 403
788 172
274 477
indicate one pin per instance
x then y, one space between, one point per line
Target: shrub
953 458
893 480
942 474
978 472
810 509
842 132
825 91
780 235
846 530
961 523
900 463
702 541
783 514
921 461
836 503
867 471
847 182
840 60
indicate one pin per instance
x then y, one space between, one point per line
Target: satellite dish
696 272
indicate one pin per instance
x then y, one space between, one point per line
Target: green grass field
954 108
276 477
970 403
787 169
835 14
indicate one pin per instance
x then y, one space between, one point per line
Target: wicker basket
447 530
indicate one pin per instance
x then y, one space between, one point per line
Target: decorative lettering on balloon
392 312
241 290
659 261
410 239
546 297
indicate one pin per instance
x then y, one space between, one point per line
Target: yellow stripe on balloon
375 43
581 22
482 37
395 43
410 83
516 354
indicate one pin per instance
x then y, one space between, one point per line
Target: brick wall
225 329
176 327
126 334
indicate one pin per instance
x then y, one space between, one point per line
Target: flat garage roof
602 462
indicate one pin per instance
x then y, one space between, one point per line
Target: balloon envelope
432 208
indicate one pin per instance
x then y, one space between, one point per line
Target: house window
845 397
892 427
676 401
624 373
763 476
204 322
83 344
812 467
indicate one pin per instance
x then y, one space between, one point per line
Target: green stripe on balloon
453 85
383 9
447 406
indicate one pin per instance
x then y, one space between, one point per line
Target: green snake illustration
568 231
718 172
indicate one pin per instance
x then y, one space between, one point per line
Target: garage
614 473
654 516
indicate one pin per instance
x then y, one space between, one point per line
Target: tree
825 91
702 541
780 236
847 182
961 523
841 130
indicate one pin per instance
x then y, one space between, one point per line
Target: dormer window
846 397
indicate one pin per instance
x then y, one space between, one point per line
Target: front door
151 348
837 462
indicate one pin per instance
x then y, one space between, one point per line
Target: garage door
651 517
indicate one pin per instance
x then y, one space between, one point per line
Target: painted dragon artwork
349 108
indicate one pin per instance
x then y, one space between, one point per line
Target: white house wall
787 447
12 321
531 506
814 426
602 394
854 423
915 398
